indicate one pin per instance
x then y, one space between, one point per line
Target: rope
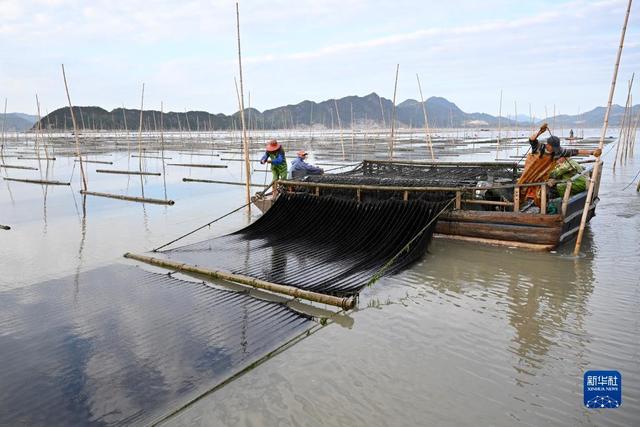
405 248
209 223
632 181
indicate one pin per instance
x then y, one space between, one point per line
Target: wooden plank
516 233
486 202
458 203
509 218
494 242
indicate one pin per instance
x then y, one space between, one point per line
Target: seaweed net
414 175
322 244
121 346
398 174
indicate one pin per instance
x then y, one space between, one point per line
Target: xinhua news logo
602 389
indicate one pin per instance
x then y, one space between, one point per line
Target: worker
300 168
571 134
542 160
274 154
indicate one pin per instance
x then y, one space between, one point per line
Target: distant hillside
17 122
370 110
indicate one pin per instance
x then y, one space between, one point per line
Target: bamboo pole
595 174
342 302
211 181
18 167
121 172
140 141
75 131
164 172
198 165
245 140
100 162
129 198
622 134
427 131
393 114
4 120
344 156
499 126
37 181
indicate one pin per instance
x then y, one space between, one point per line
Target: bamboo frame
342 302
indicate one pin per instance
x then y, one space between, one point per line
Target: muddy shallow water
469 335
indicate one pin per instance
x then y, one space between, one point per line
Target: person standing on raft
274 154
300 168
542 161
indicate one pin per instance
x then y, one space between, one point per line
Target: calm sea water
471 335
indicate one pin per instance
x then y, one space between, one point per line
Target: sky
538 52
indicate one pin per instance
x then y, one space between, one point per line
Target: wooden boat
494 222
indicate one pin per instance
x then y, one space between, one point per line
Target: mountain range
370 111
17 122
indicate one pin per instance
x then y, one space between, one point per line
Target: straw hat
273 145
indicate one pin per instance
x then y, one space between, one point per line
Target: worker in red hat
300 168
274 154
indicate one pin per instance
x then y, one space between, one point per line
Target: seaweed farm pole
140 141
75 131
164 173
427 131
595 175
393 115
621 135
499 126
244 125
344 157
4 119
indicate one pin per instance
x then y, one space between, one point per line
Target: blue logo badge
602 389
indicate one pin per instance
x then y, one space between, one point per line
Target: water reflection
129 348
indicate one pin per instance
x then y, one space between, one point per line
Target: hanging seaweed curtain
322 244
